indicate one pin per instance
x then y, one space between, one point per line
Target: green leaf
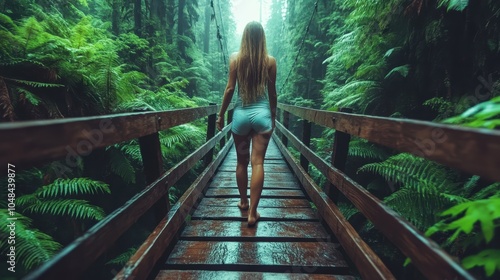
456 5
489 258
484 211
402 70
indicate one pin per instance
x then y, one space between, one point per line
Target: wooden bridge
204 235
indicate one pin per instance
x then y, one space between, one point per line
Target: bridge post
210 133
306 139
339 157
153 168
286 120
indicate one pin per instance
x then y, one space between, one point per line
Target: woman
254 114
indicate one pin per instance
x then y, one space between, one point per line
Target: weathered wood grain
276 193
263 231
426 255
368 263
243 275
264 202
29 143
142 262
266 214
267 184
270 256
476 151
81 253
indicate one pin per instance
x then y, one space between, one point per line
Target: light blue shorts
255 116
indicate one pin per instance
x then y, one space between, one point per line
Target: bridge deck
288 242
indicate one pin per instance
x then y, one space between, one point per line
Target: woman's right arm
271 88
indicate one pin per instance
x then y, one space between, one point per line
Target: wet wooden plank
269 176
280 193
243 275
264 202
267 184
147 255
321 257
266 214
274 166
263 231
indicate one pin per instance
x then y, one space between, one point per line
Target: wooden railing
27 144
474 151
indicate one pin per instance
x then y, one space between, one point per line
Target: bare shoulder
272 60
233 56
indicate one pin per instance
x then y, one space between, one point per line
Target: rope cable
301 45
219 36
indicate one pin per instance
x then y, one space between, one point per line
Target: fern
76 186
124 257
73 208
412 171
456 5
33 247
402 70
34 84
121 165
47 199
362 148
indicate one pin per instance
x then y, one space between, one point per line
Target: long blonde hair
252 63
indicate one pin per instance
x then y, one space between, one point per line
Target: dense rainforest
417 59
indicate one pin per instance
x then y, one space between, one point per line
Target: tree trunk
206 36
138 17
115 17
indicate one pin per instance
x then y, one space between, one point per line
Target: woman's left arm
228 93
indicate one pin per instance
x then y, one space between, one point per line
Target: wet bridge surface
288 242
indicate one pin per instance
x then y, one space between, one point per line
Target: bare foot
243 206
253 220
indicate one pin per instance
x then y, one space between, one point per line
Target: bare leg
242 144
259 147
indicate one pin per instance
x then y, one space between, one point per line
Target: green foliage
33 247
426 187
456 5
124 257
478 221
483 115
48 199
121 165
360 147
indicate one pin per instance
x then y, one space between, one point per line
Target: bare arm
271 88
228 93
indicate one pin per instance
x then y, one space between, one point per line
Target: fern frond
362 148
181 134
33 247
132 150
420 206
121 165
492 190
74 208
35 84
66 187
412 171
124 257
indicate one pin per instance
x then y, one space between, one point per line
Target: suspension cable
219 36
301 45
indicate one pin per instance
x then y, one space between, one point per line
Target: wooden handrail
475 151
368 263
431 260
26 144
142 262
